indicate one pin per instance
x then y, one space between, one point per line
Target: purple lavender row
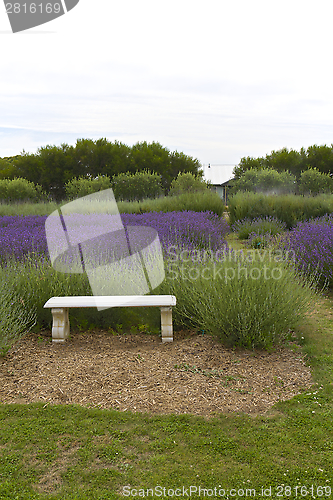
20 235
312 242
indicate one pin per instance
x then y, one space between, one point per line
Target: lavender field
254 308
23 235
312 242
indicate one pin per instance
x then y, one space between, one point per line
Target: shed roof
218 174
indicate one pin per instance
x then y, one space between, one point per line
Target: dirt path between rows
194 374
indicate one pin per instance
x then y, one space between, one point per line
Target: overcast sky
215 79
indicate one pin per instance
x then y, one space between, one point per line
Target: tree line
311 182
52 167
315 157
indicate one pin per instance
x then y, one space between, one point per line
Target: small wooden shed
220 177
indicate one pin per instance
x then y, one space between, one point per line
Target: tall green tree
168 165
188 183
101 157
285 159
7 169
320 158
54 166
295 162
248 163
265 180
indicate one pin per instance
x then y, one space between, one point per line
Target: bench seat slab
112 301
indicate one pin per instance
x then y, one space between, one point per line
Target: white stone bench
59 307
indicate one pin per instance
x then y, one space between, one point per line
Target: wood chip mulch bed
194 374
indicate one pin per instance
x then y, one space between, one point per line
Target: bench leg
166 324
60 327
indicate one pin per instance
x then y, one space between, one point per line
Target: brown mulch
194 374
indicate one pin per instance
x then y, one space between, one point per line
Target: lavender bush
22 235
16 318
258 240
287 208
245 302
312 243
251 303
186 229
259 226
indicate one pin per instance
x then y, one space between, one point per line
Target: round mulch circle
195 374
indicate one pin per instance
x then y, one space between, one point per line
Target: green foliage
243 308
16 318
53 166
313 182
247 163
265 180
159 159
82 186
260 226
281 160
7 169
287 208
19 189
28 208
319 157
246 301
101 157
186 182
261 241
191 201
284 159
136 187
207 201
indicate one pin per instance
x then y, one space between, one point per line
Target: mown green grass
74 452
69 452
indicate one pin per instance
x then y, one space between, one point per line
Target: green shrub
261 241
312 182
266 180
16 318
207 200
261 226
187 183
19 190
247 302
287 208
28 208
136 187
190 201
82 186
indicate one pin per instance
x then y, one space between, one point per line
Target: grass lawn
70 452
